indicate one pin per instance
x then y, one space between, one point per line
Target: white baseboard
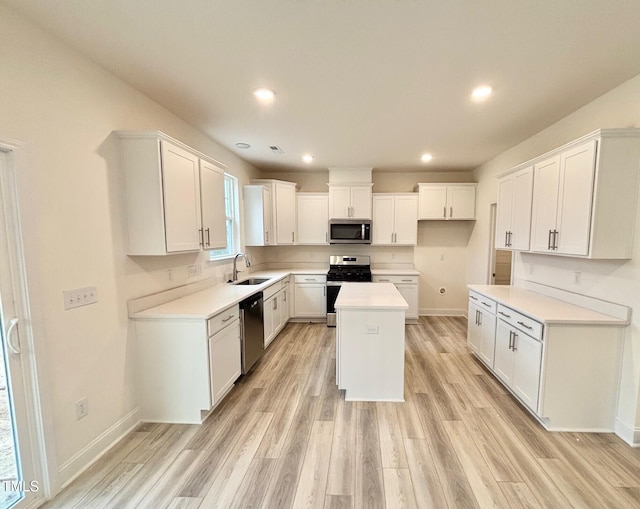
442 312
84 458
628 433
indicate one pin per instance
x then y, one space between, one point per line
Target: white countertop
209 302
542 308
370 296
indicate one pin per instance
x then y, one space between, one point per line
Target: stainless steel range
344 269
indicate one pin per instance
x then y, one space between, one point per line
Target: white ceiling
358 82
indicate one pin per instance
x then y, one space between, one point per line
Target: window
233 222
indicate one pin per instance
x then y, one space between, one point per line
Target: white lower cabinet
275 309
224 360
481 332
407 285
310 296
186 366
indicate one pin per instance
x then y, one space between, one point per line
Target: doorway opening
500 261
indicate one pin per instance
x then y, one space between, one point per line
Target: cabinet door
410 294
339 202
269 320
257 215
383 220
406 220
503 359
461 202
545 203
313 218
285 213
526 370
474 331
360 202
577 170
505 212
310 300
521 217
432 202
488 338
212 202
224 360
181 195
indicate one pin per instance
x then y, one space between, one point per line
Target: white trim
94 450
628 433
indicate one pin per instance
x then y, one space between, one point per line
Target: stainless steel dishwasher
251 330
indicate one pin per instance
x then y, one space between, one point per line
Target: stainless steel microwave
350 231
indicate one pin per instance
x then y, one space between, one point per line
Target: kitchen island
370 342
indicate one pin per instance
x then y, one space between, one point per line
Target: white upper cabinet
313 218
257 215
513 222
584 196
395 219
281 213
447 201
214 224
166 183
348 201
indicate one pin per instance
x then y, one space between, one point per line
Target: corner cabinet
447 201
175 195
313 218
395 219
283 212
348 201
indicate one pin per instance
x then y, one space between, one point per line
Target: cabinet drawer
309 278
396 280
483 302
271 290
528 325
221 320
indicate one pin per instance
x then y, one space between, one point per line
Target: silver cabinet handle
476 317
208 237
444 212
510 239
227 318
555 240
284 296
525 325
450 212
266 236
506 239
486 304
473 297
293 236
13 323
326 237
513 347
510 339
309 279
387 280
201 236
395 238
392 238
275 304
504 314
324 291
549 242
480 317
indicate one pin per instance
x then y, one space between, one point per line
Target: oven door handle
334 283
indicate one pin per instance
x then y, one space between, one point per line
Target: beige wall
616 281
63 108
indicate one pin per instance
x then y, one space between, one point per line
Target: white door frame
40 429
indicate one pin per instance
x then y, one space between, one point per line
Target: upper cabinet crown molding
167 184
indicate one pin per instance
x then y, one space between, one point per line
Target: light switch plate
80 297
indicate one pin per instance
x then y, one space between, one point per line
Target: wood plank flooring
286 438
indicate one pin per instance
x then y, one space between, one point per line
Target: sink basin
252 281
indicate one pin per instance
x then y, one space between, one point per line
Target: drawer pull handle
525 325
486 304
510 339
309 279
407 281
227 318
504 314
472 297
385 280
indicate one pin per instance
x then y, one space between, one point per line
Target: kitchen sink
252 281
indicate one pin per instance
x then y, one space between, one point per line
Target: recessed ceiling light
264 94
243 145
426 158
481 92
307 158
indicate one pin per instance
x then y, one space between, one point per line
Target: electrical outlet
80 297
193 270
576 277
371 329
82 408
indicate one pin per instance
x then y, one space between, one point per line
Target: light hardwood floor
285 437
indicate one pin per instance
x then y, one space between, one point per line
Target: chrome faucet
234 276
